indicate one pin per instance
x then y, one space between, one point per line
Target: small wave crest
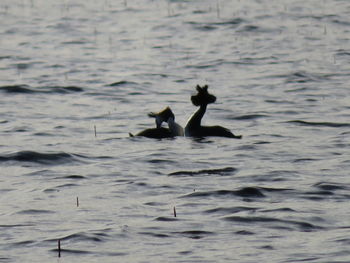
40 158
246 192
275 223
96 236
220 171
205 26
331 186
230 210
121 83
195 234
320 124
26 89
302 77
249 117
35 212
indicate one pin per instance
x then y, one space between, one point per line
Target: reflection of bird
194 128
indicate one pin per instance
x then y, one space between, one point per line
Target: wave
15 225
230 210
21 244
204 26
212 64
302 77
249 117
279 210
207 64
250 28
302 160
35 212
96 236
220 171
72 251
343 52
331 186
320 124
194 234
341 22
246 192
232 22
244 233
166 219
121 83
275 223
26 89
155 234
40 158
75 42
73 177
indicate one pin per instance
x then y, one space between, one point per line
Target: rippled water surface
77 76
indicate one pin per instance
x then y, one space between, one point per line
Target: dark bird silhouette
194 128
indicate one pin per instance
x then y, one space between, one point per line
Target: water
280 71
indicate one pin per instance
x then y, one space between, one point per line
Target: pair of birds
193 127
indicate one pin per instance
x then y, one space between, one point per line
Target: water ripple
84 236
331 186
250 117
221 171
320 124
252 192
231 210
275 223
26 89
194 234
35 212
121 83
40 158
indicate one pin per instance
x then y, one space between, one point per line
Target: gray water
77 76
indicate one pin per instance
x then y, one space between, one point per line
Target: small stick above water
59 247
174 211
95 130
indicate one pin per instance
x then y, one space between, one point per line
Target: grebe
175 128
194 128
159 132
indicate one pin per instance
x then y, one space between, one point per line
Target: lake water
77 76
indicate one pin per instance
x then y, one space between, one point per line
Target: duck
194 128
165 115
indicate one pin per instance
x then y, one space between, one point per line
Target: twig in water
77 201
59 247
174 211
95 130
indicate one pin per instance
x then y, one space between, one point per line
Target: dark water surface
280 71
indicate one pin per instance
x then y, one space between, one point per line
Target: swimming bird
168 116
194 128
165 115
175 128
